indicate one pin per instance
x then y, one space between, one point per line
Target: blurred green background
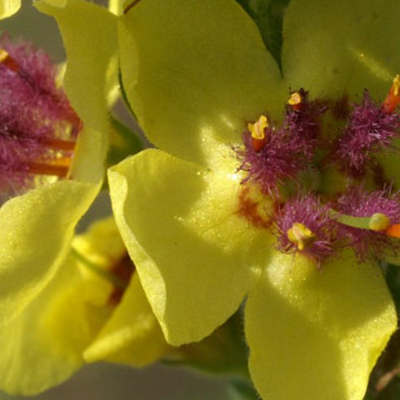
101 381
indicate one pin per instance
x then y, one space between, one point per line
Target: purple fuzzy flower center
318 139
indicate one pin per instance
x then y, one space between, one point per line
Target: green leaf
268 15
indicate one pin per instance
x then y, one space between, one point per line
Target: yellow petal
102 243
341 47
205 74
195 255
36 229
317 334
102 247
42 346
91 51
132 335
9 7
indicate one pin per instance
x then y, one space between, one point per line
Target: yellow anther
295 99
379 222
396 85
300 236
3 55
257 129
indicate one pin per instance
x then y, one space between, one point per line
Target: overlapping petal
197 84
91 51
341 47
73 320
132 335
317 334
27 260
195 255
42 346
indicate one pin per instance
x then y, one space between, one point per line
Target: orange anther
295 100
392 100
8 61
257 131
393 231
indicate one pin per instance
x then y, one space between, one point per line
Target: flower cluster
251 202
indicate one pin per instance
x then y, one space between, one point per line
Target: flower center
38 127
320 217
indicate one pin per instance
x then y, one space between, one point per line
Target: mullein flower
51 179
228 214
94 309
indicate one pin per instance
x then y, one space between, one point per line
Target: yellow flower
37 226
195 73
94 309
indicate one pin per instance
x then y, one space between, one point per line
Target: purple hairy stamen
309 212
284 151
279 159
370 129
302 121
35 116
